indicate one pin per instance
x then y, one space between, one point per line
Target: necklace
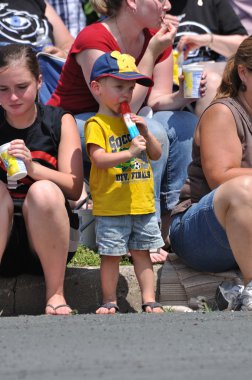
122 41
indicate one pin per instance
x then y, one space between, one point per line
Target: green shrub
87 257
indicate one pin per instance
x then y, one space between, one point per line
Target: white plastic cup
192 77
15 167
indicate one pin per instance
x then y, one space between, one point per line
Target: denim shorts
116 235
199 240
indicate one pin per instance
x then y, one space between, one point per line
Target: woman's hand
203 86
170 19
162 39
192 42
19 149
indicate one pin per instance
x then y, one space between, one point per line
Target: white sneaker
246 297
228 296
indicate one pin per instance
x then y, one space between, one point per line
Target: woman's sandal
152 305
55 308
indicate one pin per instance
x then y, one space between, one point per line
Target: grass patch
87 257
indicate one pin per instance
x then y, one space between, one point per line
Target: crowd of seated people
174 24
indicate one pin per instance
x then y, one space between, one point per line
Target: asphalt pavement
191 346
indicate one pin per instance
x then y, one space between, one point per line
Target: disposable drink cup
192 76
15 167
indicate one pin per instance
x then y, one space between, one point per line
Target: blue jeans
158 167
179 126
198 238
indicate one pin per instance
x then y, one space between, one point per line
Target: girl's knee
44 194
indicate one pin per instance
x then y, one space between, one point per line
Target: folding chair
50 67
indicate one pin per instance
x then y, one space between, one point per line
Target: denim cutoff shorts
116 235
199 240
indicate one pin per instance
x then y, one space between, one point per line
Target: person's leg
198 238
145 235
112 234
159 166
233 209
109 272
145 276
6 212
48 231
179 126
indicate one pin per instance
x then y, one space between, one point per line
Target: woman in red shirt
139 29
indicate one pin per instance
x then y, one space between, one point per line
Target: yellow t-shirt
126 189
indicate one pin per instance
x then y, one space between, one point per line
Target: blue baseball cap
121 66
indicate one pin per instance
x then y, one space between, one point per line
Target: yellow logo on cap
126 62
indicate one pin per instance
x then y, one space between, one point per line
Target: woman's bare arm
220 146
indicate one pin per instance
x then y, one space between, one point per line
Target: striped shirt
72 14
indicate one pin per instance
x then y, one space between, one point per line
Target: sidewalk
25 294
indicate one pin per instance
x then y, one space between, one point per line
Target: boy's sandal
55 308
110 305
152 305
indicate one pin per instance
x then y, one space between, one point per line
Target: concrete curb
25 294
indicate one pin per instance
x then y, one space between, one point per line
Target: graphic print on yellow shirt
126 189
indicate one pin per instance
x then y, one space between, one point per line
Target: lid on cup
192 67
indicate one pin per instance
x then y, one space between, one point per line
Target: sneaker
228 296
246 298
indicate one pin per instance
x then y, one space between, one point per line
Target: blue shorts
199 240
116 235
